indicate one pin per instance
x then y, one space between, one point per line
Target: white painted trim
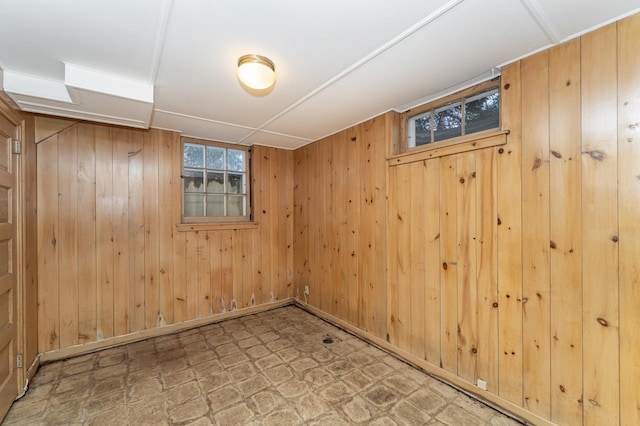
542 21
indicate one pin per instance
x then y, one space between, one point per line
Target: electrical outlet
306 290
482 384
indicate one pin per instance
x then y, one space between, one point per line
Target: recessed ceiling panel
465 43
309 42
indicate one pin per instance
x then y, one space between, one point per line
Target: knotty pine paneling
111 260
515 264
340 225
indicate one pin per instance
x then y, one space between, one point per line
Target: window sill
453 146
185 227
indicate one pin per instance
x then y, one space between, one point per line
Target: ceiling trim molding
161 33
81 115
542 21
375 53
208 120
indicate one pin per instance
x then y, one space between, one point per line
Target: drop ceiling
170 64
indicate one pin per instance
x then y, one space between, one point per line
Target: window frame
191 221
461 96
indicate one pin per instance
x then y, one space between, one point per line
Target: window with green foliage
456 116
215 182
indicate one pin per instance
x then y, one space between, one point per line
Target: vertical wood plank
300 222
416 258
467 268
323 217
432 266
136 231
510 239
600 227
204 276
404 227
68 241
274 225
215 247
226 262
179 296
566 233
486 214
378 137
104 234
168 180
287 165
48 236
339 280
263 176
535 234
354 284
448 265
246 269
151 228
192 282
628 205
120 140
392 257
86 217
366 231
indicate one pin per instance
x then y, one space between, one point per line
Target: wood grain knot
54 241
552 244
494 304
562 389
444 265
506 86
556 154
501 150
614 238
568 83
603 322
474 351
461 180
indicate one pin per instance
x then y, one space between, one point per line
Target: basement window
462 114
216 181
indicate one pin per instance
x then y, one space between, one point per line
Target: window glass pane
236 183
215 182
482 112
422 128
447 122
215 205
236 206
193 205
215 158
236 160
193 180
193 155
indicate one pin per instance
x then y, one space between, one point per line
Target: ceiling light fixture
256 71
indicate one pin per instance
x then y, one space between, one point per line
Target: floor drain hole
327 340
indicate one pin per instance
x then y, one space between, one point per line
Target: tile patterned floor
270 368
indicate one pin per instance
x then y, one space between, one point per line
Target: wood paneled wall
516 264
340 224
111 260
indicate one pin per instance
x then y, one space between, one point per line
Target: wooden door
8 258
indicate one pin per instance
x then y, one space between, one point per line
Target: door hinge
19 361
17 147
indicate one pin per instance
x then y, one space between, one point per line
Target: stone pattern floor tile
271 368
